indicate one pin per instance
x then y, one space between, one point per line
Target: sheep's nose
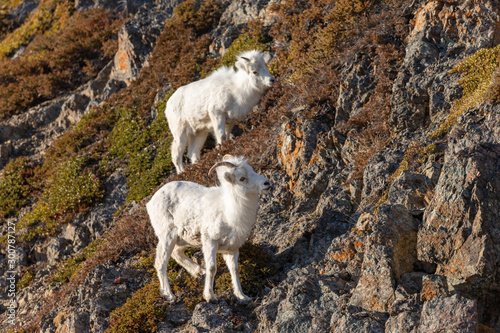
272 79
267 185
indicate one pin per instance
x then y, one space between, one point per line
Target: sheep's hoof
211 298
243 299
169 297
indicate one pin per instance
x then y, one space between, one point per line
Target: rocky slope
381 139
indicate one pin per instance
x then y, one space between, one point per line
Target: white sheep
215 104
217 219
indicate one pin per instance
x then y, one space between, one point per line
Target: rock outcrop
411 244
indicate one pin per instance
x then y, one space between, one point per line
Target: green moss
14 186
70 267
141 312
477 78
26 279
145 149
71 189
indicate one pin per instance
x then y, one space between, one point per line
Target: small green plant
70 267
146 261
477 79
26 279
141 312
146 150
14 186
39 20
71 189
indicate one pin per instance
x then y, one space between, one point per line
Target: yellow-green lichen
477 78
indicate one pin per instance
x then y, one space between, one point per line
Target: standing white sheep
217 219
215 104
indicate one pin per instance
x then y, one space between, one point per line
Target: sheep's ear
242 64
228 157
229 177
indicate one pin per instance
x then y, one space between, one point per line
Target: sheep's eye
242 179
255 72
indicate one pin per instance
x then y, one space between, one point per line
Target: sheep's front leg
209 254
231 260
219 125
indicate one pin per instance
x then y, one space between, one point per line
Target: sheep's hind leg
163 251
228 130
189 265
231 260
195 144
177 150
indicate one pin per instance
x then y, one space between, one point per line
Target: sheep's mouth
267 187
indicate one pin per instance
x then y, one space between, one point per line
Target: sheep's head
252 62
236 172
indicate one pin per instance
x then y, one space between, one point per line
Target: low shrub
14 187
26 279
72 189
252 39
145 150
141 312
57 61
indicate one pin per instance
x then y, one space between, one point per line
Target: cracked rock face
417 252
460 227
444 33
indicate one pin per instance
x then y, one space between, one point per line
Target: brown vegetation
57 62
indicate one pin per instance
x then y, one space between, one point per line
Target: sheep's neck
241 211
247 89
